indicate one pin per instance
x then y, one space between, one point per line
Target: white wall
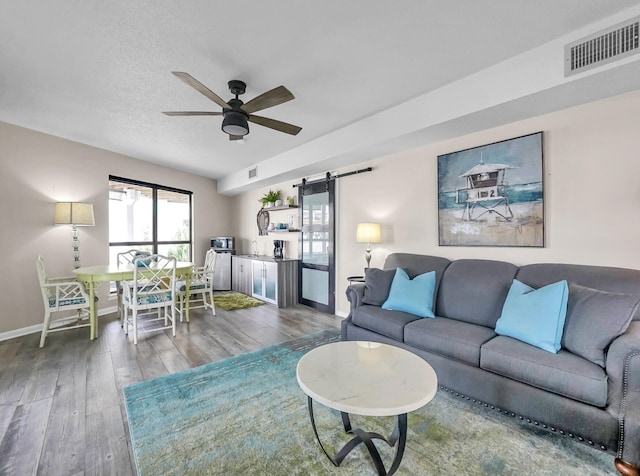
591 188
39 170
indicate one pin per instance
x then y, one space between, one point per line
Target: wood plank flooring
61 407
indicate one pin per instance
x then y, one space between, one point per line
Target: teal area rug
246 415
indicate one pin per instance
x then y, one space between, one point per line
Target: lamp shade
74 213
368 233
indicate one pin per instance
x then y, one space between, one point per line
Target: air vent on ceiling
253 173
604 47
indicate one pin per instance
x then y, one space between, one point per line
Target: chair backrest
210 261
127 257
154 274
42 274
42 278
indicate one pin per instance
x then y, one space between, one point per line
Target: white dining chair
200 287
124 259
61 295
153 289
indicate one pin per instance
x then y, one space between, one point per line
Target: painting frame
493 194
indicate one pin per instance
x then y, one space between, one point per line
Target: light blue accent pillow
535 316
414 296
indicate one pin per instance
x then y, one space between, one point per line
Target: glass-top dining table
102 273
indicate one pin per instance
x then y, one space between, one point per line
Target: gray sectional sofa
591 392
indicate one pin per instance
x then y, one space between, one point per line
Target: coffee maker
278 249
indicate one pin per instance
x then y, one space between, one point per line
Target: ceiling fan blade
235 137
192 113
201 88
277 125
269 99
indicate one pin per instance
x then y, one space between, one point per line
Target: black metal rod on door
331 177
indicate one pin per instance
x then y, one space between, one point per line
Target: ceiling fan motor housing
235 120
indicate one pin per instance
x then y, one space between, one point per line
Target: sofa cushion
448 337
594 319
414 296
563 373
376 319
377 283
535 316
474 290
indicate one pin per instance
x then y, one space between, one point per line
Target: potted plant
269 199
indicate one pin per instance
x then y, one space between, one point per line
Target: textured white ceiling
99 72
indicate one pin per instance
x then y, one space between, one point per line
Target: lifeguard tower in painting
486 191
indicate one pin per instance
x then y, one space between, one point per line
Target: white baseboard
342 314
38 327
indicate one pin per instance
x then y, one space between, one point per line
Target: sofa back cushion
616 280
594 319
474 290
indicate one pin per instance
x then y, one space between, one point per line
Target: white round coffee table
370 379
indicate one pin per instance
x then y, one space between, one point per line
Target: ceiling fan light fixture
235 123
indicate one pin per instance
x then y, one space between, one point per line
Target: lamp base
367 256
76 247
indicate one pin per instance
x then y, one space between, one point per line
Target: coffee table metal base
399 436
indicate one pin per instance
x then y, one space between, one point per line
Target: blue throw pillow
535 316
414 296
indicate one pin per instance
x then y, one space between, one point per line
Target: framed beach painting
492 195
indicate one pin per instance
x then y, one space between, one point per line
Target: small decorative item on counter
290 201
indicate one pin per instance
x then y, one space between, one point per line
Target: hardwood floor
61 407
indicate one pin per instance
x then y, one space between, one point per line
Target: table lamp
75 214
368 233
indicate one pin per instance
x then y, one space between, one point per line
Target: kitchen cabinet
271 280
241 274
265 280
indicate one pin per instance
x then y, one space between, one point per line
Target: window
149 217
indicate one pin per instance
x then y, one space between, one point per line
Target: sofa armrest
355 294
623 370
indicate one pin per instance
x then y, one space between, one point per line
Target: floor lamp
368 233
75 214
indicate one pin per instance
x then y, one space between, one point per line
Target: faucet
255 247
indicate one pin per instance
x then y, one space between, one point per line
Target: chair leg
180 301
213 304
119 292
135 325
125 320
173 318
45 326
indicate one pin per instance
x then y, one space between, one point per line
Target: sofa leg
626 469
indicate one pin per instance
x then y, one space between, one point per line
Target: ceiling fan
237 114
